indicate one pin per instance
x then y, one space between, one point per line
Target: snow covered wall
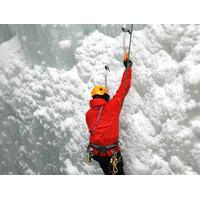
47 72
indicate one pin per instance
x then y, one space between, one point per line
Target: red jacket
107 130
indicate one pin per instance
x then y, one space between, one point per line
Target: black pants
104 162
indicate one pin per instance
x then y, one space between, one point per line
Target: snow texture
43 106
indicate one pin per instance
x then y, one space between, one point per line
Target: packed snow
45 93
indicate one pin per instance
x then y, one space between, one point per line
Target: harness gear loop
114 162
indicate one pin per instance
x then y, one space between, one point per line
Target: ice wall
5 33
54 45
42 109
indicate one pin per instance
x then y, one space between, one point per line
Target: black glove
130 64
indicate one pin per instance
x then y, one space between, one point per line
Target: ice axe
133 27
106 76
127 48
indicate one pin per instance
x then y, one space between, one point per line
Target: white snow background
48 71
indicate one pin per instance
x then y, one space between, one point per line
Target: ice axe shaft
126 30
125 48
129 48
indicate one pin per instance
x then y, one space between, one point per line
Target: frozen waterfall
47 72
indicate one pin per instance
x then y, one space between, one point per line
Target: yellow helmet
99 89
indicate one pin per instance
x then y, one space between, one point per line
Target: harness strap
92 132
106 147
103 149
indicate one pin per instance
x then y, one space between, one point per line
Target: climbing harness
104 149
108 150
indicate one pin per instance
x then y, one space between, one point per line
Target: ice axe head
136 27
107 68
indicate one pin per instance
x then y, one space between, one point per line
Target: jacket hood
97 102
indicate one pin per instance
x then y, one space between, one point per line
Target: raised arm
124 86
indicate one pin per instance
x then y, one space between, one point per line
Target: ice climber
103 123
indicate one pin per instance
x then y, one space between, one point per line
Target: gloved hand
129 64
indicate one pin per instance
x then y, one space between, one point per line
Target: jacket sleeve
124 87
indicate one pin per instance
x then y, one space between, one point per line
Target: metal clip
89 155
